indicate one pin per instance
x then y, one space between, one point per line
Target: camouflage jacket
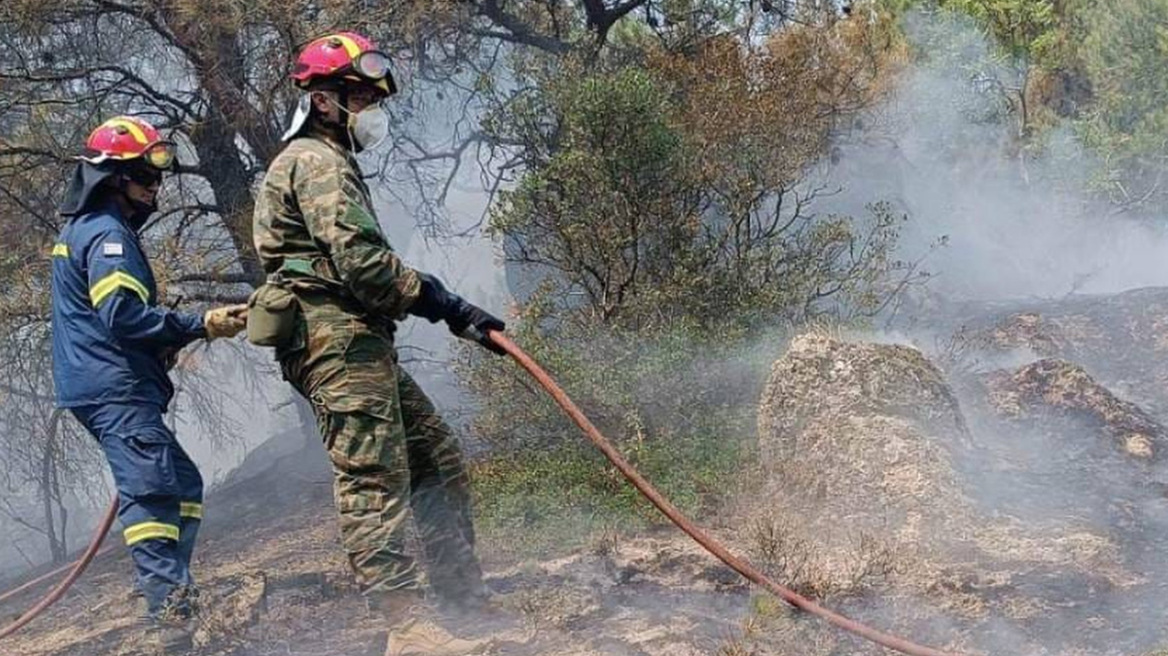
314 226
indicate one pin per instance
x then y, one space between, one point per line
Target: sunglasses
143 172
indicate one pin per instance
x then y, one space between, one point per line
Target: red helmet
126 138
343 56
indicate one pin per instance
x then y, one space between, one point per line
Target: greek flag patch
111 249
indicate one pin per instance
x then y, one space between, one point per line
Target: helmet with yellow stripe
120 151
346 64
343 57
125 138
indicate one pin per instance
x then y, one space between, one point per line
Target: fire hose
74 573
688 527
643 486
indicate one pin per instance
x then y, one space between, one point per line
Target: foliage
678 407
1096 67
1126 53
47 462
634 384
682 192
1024 28
553 501
665 219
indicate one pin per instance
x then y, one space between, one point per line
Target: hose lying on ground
705 540
27 585
643 486
59 591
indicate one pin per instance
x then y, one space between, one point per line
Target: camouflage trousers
391 453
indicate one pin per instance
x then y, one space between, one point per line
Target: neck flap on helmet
83 188
92 183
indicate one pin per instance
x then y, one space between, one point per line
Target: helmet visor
160 155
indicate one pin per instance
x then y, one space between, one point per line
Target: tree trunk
57 549
220 66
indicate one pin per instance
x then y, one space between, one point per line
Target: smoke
1019 224
1020 221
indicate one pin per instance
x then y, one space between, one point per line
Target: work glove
436 303
473 322
226 321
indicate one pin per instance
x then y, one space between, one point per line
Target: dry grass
781 548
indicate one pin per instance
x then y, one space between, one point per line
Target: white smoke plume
1019 222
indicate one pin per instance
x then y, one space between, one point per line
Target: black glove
436 303
473 322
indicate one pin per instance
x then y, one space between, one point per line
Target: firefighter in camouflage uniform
335 288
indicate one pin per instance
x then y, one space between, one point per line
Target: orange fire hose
643 486
59 591
709 543
27 585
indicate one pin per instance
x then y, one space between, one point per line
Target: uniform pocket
143 462
358 442
356 373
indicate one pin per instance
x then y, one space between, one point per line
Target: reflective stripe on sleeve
113 282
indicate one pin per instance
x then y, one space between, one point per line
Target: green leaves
1025 28
1126 51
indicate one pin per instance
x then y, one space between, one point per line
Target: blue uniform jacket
110 339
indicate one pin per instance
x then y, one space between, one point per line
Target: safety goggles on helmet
160 155
126 138
372 65
340 57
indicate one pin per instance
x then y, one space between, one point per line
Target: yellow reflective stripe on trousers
190 509
60 250
150 531
114 281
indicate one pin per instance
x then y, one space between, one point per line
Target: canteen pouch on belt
271 317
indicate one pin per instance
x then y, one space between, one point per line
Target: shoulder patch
112 249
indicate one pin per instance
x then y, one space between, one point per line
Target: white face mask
368 127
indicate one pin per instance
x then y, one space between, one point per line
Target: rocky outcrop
1121 340
863 431
877 481
1058 396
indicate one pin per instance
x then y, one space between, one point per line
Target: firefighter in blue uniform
112 345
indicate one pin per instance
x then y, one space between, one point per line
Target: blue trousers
160 494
